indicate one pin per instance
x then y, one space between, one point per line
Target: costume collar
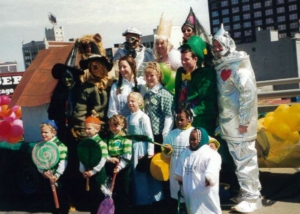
156 88
236 56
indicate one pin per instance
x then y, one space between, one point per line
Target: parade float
277 140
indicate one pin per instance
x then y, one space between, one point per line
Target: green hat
203 137
198 46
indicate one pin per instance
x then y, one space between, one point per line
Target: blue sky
26 20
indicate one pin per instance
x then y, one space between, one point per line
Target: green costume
121 148
199 93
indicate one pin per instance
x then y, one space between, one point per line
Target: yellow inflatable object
160 167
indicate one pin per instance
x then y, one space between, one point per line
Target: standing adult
61 109
191 27
87 46
93 96
135 49
237 102
127 83
195 86
64 97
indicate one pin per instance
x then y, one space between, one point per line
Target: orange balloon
5 111
15 139
18 113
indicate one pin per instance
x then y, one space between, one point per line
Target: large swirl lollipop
45 155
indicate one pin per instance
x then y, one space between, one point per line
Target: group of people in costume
214 87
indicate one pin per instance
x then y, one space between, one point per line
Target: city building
54 37
273 57
148 41
242 17
6 67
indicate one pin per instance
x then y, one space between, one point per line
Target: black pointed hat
59 69
194 23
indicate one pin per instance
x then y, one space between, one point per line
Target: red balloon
16 131
5 100
5 128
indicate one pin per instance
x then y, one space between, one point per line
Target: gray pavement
280 189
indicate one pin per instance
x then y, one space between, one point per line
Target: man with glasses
133 47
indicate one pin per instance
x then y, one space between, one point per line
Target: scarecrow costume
194 168
197 90
93 95
88 45
237 102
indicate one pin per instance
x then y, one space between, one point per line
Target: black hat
194 23
59 69
95 57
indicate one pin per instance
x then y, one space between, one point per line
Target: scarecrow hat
95 57
59 69
198 46
133 31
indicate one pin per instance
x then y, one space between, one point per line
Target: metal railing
279 93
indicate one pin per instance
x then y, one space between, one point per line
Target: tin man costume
237 101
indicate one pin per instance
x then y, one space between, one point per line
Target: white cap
133 31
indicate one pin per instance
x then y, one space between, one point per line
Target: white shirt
118 102
193 167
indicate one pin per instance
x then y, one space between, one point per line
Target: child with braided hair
118 161
127 82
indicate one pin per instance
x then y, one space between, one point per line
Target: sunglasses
131 39
187 30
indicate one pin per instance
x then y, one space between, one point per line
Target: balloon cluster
284 122
169 71
11 126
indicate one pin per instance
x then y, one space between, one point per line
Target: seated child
198 170
176 141
97 175
48 134
118 161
